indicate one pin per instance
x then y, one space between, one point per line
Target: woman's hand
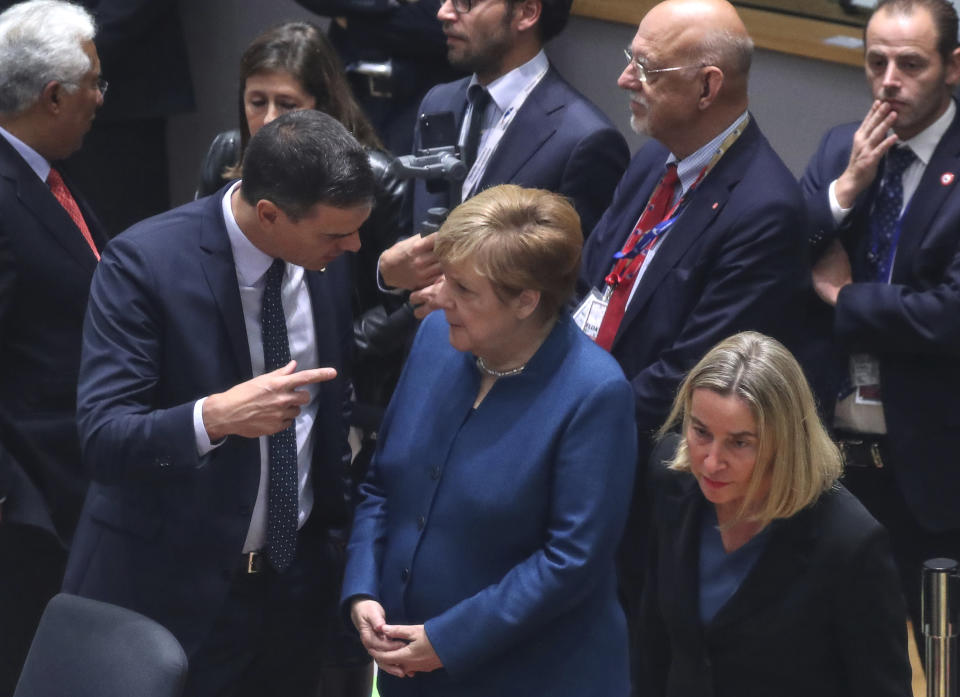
416 654
370 620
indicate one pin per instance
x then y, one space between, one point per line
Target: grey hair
41 41
730 52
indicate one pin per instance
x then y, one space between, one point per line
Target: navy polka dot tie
282 486
885 219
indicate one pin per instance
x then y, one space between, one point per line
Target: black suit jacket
819 614
912 324
558 141
45 271
162 528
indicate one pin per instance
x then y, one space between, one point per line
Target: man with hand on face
211 417
519 122
50 89
706 233
886 210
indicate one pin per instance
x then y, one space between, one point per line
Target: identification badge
865 375
589 314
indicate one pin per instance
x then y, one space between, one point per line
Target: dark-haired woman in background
768 577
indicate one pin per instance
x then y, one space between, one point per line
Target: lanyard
630 259
493 137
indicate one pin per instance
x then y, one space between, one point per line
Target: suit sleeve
592 481
121 433
592 172
754 283
8 278
871 621
901 318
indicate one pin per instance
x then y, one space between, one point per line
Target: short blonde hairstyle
518 239
794 450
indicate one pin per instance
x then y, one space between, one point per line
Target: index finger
313 375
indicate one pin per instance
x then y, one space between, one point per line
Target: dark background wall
794 99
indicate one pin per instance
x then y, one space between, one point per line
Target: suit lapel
534 124
220 272
930 195
36 197
703 206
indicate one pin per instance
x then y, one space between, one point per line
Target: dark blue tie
885 219
480 99
282 485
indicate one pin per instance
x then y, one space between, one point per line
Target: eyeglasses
643 73
102 85
462 7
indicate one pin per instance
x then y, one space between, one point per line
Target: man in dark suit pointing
50 241
212 420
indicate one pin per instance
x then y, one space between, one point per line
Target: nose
351 243
891 77
628 80
272 112
713 461
446 12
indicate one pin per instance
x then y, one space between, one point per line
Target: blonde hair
794 452
518 239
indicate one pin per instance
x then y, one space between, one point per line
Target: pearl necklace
486 370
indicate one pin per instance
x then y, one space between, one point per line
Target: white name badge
589 314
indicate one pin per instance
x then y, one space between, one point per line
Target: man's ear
267 212
526 14
51 97
710 86
952 74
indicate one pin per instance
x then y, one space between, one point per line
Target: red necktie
63 195
625 270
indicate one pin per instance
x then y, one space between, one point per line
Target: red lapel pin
715 205
946 179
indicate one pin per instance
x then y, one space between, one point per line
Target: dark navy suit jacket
912 324
820 613
734 260
162 528
45 271
558 141
496 526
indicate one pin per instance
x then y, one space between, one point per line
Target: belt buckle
875 455
254 562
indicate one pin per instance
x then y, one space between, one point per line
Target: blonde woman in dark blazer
767 576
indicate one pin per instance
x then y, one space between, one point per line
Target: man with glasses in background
706 234
518 121
50 242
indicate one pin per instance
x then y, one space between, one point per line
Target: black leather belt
862 450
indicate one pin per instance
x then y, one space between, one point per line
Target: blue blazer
734 260
496 527
820 613
558 141
162 529
45 272
912 324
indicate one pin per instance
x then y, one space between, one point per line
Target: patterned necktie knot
898 159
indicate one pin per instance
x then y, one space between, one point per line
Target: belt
862 450
253 562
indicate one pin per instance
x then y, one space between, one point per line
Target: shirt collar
505 88
925 142
251 263
37 162
689 168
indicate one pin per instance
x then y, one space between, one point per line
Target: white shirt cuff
200 434
835 209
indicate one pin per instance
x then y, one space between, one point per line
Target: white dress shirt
252 265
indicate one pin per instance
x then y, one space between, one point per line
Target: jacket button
404 575
421 522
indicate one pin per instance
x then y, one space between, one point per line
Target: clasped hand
262 406
399 650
